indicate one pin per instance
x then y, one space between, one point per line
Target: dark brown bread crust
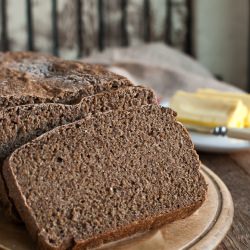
158 127
24 123
28 77
138 226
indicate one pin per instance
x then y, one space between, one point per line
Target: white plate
217 144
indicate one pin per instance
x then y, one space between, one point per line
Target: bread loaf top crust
28 77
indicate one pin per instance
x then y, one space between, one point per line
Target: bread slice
29 77
105 177
23 123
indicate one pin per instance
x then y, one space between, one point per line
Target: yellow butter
244 97
208 111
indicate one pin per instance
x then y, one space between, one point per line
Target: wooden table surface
234 170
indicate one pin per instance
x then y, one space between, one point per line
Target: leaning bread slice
24 123
105 177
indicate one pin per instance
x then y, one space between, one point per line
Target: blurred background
215 33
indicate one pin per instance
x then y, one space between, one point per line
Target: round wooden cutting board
203 230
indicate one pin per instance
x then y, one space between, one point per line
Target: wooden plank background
143 21
215 32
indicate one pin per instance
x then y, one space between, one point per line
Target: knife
237 133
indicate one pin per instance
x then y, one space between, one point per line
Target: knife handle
239 133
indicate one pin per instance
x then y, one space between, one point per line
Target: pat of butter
208 111
244 97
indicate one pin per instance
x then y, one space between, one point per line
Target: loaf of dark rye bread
105 177
23 123
28 77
